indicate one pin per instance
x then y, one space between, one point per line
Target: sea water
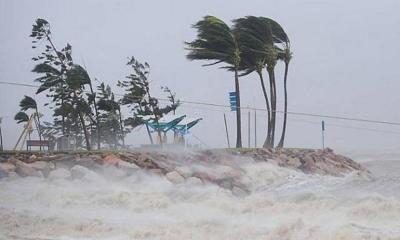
280 204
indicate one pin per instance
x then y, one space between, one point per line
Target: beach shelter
187 123
165 124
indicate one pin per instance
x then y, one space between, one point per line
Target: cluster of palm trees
91 115
251 44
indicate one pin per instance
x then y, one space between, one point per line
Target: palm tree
251 35
256 35
77 78
26 104
217 41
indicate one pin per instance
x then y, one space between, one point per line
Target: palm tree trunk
39 128
88 147
273 105
282 140
238 115
148 133
97 116
268 139
121 128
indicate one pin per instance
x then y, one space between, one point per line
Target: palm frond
21 117
27 103
77 77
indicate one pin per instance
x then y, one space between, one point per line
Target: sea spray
279 203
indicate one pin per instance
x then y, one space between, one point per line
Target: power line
256 109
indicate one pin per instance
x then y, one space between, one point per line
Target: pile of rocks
221 167
324 162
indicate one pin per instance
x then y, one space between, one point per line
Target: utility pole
226 130
248 130
255 129
323 135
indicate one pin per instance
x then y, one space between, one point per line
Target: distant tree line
91 114
250 45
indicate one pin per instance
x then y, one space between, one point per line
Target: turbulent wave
280 204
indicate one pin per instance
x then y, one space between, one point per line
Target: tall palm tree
26 104
251 36
258 41
217 41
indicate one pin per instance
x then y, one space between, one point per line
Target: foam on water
281 204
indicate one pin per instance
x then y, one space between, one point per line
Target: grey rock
127 166
184 171
84 173
25 170
194 181
175 177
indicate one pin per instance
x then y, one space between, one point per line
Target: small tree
110 116
138 97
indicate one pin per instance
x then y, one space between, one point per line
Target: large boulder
127 166
60 173
175 177
81 172
42 166
25 170
7 167
184 171
194 181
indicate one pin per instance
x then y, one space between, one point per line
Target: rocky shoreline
177 166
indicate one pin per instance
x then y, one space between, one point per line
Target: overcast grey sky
345 61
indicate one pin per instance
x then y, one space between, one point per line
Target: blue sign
232 100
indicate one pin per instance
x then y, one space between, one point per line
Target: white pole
186 132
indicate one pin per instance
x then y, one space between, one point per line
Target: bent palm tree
77 77
257 38
217 41
250 34
26 104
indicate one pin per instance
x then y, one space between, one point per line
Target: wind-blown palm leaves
217 42
21 117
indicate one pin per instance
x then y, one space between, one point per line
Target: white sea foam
281 204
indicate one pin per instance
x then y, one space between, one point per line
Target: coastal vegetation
93 115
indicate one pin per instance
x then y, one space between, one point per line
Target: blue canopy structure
165 124
183 126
